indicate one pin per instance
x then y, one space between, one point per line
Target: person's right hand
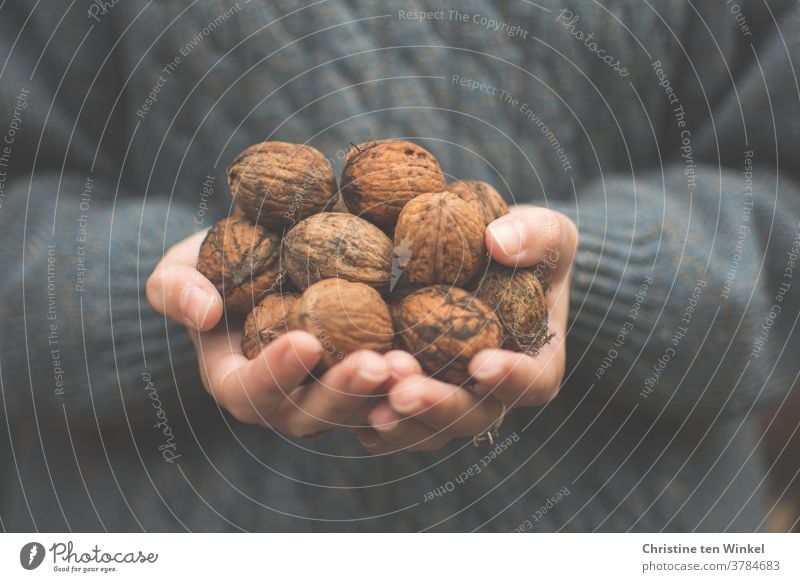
266 390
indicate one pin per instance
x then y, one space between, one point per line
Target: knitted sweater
668 131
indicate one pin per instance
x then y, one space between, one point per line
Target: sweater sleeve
79 337
685 295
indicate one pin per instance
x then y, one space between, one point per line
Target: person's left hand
424 414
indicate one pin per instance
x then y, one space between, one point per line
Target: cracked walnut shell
334 244
380 177
345 317
242 260
517 296
444 327
442 240
277 184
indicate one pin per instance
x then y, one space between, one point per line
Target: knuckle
552 234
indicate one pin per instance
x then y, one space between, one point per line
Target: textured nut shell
345 317
278 184
334 244
379 178
444 327
443 240
266 322
482 196
518 298
242 260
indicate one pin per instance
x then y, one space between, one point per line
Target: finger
401 364
518 379
252 390
532 235
333 400
176 289
401 433
443 407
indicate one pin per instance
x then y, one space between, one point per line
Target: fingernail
403 406
487 373
369 441
298 347
508 236
373 376
403 368
195 305
386 427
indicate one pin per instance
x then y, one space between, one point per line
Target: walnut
242 260
334 244
345 316
444 327
482 196
278 184
442 238
517 296
379 177
266 322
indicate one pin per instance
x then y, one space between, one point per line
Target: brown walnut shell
444 327
242 260
266 322
277 184
380 177
334 244
345 317
482 196
517 297
442 238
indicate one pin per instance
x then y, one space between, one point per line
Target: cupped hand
423 414
271 389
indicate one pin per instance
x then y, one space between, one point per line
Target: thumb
178 290
531 235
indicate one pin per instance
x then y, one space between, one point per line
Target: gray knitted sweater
667 130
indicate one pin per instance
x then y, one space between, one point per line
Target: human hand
423 414
266 390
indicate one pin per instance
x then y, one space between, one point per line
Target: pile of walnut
300 253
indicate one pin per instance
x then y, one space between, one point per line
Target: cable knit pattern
687 220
